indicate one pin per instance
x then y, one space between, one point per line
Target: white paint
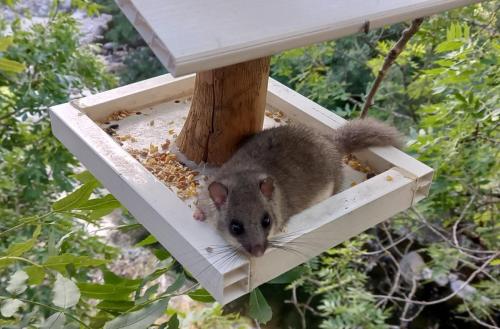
402 182
193 35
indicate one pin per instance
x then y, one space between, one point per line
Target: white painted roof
195 35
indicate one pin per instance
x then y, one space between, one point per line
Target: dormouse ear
218 193
267 187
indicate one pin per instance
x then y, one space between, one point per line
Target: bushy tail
362 133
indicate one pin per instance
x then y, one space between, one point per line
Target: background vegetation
435 266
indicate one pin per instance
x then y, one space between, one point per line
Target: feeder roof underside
194 35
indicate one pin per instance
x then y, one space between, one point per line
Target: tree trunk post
228 104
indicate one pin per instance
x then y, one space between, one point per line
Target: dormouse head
247 210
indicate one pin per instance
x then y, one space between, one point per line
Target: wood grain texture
228 105
193 35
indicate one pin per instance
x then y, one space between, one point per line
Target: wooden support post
228 105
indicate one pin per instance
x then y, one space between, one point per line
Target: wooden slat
195 35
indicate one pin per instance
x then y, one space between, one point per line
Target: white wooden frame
402 182
192 35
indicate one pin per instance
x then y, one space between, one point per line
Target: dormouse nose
256 250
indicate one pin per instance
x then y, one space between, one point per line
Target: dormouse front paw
199 215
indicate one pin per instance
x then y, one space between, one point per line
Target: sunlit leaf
449 46
17 283
110 292
10 306
60 262
66 293
201 295
36 274
8 65
5 43
75 198
150 239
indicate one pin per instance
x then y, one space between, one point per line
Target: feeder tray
214 38
401 182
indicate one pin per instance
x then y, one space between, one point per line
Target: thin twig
462 216
406 309
389 60
450 296
477 320
448 241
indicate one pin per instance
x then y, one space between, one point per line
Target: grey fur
302 164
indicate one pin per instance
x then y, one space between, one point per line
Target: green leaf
8 65
10 307
109 292
119 306
5 43
448 46
36 274
99 213
17 283
66 293
289 277
105 203
51 244
140 319
147 241
86 177
259 308
178 283
147 294
112 278
76 198
60 262
161 253
16 250
173 322
55 321
201 295
153 276
495 262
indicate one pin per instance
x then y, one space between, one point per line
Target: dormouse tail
362 133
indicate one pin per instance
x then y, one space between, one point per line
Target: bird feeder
228 44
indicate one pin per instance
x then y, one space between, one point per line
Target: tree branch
389 60
450 296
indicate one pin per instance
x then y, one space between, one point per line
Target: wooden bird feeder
229 43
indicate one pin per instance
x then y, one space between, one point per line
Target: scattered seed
115 126
138 113
389 178
177 101
165 145
152 123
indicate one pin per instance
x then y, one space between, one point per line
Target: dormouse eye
236 228
266 220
